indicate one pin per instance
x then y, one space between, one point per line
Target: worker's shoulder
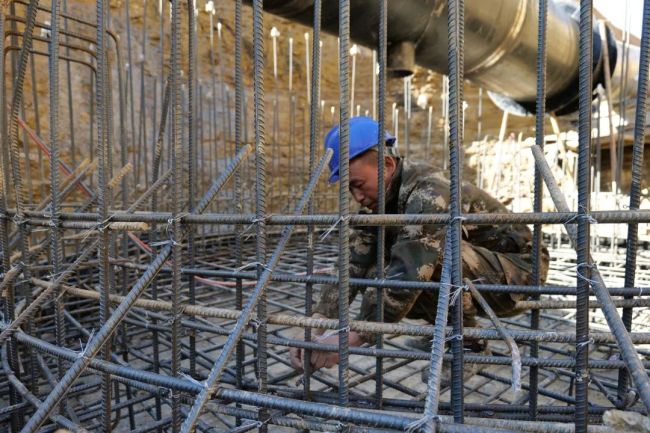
417 174
423 189
420 180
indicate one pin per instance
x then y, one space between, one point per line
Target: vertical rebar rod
381 195
307 74
9 297
191 162
56 248
407 116
540 111
432 400
239 206
17 168
71 110
455 53
222 78
101 113
314 136
141 155
344 198
37 122
260 189
131 94
635 186
177 180
583 269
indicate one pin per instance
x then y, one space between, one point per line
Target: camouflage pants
483 266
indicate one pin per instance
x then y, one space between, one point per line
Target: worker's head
364 155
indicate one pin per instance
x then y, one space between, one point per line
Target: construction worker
491 254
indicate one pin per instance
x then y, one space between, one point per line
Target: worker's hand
295 356
326 359
320 358
296 353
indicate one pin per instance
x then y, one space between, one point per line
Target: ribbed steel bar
259 121
455 55
192 144
102 122
635 186
246 314
505 333
381 194
540 112
583 273
8 292
314 135
17 163
628 351
177 181
432 401
56 248
361 326
344 199
239 205
326 220
419 285
105 332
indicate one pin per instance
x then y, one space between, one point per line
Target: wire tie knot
256 323
333 226
457 218
456 293
416 426
582 276
19 220
252 264
255 221
458 337
83 348
582 377
586 343
342 428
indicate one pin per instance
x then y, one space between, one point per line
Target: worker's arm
363 255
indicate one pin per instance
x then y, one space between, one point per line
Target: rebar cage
161 250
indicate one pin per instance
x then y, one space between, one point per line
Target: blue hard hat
363 136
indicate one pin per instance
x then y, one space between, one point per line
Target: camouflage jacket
412 251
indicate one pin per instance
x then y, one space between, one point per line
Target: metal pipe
501 42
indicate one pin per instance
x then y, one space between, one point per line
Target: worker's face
363 178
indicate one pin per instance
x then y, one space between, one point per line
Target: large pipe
500 43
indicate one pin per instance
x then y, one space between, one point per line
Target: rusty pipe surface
500 43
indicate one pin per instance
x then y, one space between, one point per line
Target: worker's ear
390 165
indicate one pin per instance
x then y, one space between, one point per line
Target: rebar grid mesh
162 284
